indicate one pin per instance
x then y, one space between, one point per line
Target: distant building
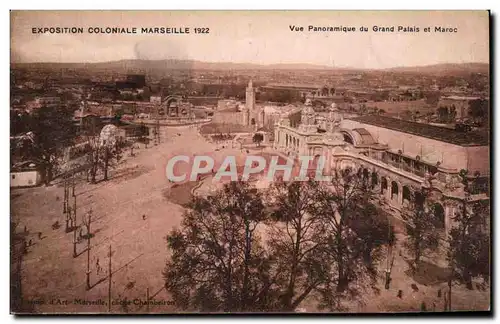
460 103
396 158
90 124
227 104
155 100
133 81
25 174
45 101
134 131
139 80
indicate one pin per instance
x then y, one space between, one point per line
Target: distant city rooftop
293 86
461 98
425 130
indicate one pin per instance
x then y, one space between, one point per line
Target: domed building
396 157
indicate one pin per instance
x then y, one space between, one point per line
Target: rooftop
292 86
434 132
461 98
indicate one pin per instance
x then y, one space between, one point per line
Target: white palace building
398 157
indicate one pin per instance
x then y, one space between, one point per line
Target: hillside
173 64
449 68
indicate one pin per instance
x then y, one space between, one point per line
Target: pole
88 250
109 281
65 202
74 212
74 238
389 253
158 131
449 293
106 161
68 216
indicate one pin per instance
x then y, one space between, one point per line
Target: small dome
333 107
308 102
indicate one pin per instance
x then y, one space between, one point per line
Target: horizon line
322 66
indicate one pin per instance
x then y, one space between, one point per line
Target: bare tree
102 156
93 156
110 155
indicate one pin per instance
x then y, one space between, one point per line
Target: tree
469 243
110 156
93 157
53 132
143 132
20 122
347 217
376 230
293 241
217 261
102 156
469 240
479 109
258 138
420 223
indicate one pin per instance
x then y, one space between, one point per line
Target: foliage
53 132
102 157
479 109
353 232
420 223
469 242
281 96
320 238
294 241
218 263
258 138
20 123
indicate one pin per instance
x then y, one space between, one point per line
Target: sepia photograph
227 162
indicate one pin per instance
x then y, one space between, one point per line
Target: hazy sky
256 37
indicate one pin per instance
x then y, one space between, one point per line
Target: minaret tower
250 97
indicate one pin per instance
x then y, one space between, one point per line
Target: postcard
168 162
